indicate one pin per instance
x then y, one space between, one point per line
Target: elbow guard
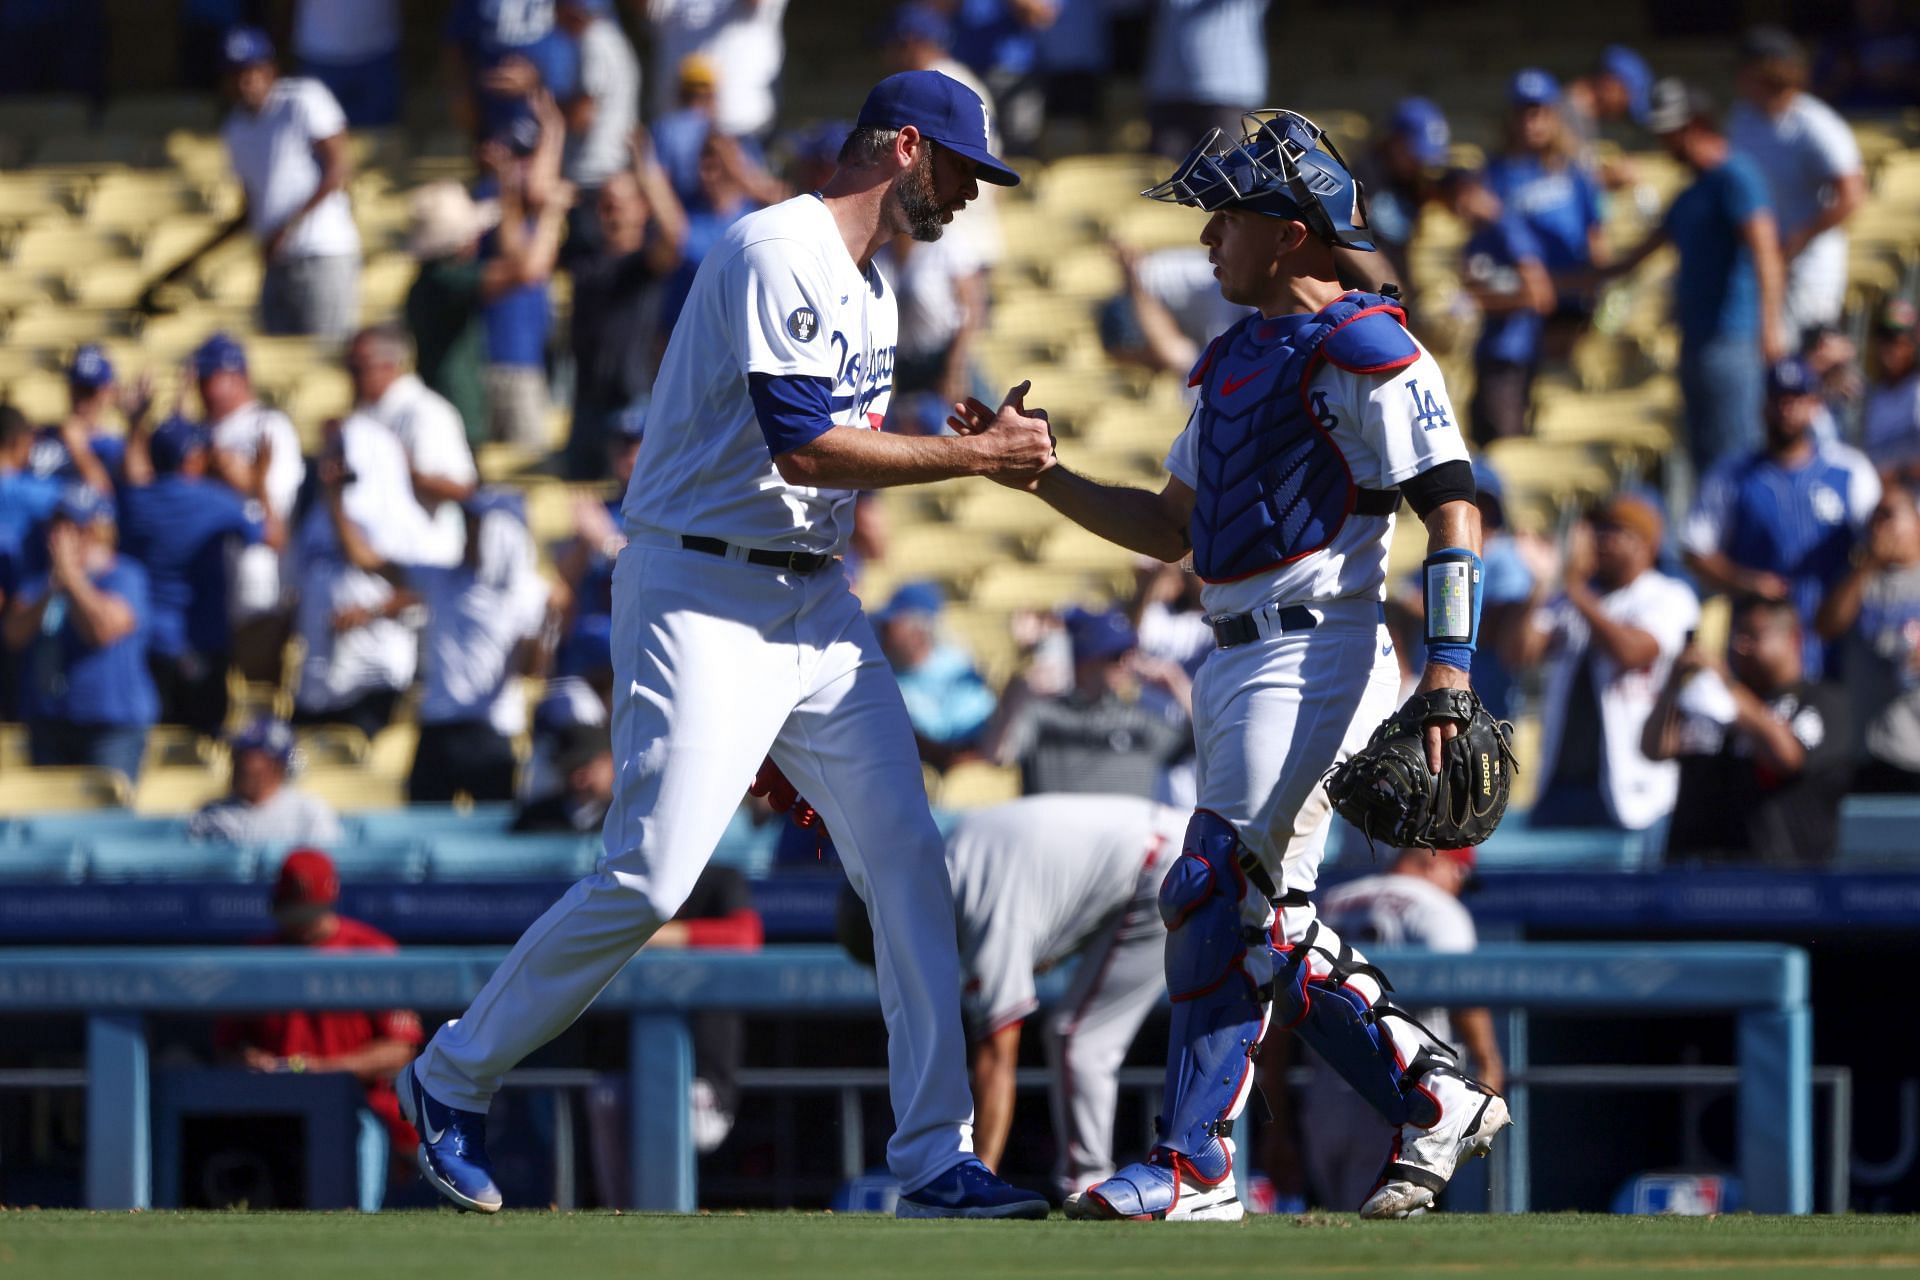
1451 578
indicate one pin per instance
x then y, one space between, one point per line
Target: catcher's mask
1284 166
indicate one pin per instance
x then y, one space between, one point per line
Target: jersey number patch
803 324
1428 412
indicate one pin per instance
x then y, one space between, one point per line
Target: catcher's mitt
1385 789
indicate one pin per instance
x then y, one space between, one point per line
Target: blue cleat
970 1190
1163 1186
453 1147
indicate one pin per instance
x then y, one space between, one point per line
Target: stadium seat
54 863
178 789
351 789
120 859
975 784
434 821
746 847
114 824
52 790
509 857
332 744
1880 831
363 861
157 114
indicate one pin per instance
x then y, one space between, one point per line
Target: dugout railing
1763 986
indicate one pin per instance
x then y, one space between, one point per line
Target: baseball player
1037 881
1414 904
1315 418
737 636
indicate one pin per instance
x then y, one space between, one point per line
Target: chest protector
1273 487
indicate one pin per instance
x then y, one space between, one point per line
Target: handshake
1014 445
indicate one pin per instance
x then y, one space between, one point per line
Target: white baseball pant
1120 978
717 664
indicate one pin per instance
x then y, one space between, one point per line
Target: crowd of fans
138 570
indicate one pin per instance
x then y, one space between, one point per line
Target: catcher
1315 418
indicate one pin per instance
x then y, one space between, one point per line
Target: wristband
1451 578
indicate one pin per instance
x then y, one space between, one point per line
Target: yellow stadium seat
41 395
153 114
112 285
316 397
13 747
351 790
201 157
29 197
1071 547
36 116
177 746
24 791
391 754
179 789
327 745
384 282
233 278
66 245
1010 588
976 784
134 201
95 152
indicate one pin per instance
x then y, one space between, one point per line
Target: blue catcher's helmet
1285 167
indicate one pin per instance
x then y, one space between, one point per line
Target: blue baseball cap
631 422
1100 635
1792 377
1424 126
1534 87
82 504
943 110
219 354
913 597
90 369
244 46
265 733
174 441
1634 75
918 22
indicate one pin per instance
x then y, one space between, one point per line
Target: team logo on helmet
803 324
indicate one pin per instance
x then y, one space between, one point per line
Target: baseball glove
1386 790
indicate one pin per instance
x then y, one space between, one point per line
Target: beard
918 204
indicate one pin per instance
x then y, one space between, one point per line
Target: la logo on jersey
803 324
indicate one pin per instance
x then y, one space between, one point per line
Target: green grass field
540 1246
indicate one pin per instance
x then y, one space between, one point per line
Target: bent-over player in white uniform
736 636
1314 417
1036 881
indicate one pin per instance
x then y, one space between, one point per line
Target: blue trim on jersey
792 409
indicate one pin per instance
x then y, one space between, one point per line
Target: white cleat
1424 1160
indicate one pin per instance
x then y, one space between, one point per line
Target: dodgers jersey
1035 879
778 296
1388 427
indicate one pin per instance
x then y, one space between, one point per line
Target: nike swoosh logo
428 1133
1230 385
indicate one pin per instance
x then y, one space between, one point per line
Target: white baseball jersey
779 296
1035 879
1390 428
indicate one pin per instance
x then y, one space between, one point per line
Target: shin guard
1337 1002
1219 962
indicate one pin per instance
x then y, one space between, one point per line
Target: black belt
1230 629
791 561
1376 502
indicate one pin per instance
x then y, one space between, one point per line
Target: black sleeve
1432 489
1823 725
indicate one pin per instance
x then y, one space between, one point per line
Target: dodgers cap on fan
219 354
1792 377
244 46
265 733
174 441
1095 636
942 109
82 504
90 369
913 597
1424 126
1534 87
1634 75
